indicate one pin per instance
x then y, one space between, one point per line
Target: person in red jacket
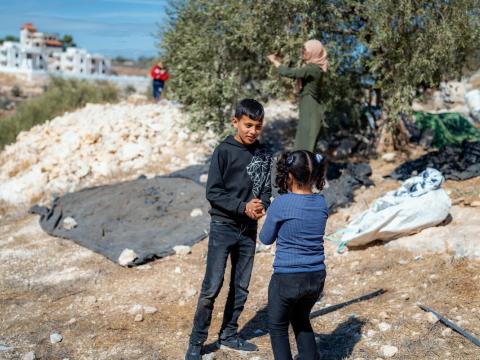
159 75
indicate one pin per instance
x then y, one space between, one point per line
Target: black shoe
237 343
194 352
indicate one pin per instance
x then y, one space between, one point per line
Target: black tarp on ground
148 216
343 179
455 163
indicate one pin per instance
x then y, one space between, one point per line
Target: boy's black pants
238 241
290 300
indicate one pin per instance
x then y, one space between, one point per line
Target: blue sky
108 27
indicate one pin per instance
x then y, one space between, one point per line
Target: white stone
90 300
55 338
447 332
178 270
196 212
203 178
431 317
190 292
389 157
384 315
383 326
69 223
136 309
138 317
182 249
29 356
389 351
150 309
126 257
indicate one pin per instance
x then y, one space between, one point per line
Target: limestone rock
150 309
383 326
29 356
182 249
127 257
389 157
138 317
69 223
136 309
431 317
389 351
55 338
196 212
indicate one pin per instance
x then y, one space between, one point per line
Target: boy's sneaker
237 343
194 352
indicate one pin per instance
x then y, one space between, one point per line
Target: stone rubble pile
98 144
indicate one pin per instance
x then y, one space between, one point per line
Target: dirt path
51 285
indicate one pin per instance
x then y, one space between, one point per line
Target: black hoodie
238 173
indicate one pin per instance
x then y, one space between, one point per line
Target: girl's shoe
237 343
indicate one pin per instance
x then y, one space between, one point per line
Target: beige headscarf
316 54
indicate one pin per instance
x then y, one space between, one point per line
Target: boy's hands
254 209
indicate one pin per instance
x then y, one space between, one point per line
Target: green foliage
414 45
68 41
9 38
216 50
60 96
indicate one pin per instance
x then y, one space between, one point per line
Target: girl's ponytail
319 171
281 179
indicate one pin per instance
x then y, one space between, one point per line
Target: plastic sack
472 99
419 203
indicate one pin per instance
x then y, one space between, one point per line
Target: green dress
312 113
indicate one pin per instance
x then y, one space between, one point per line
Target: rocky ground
96 145
100 310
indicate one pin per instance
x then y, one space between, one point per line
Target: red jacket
157 74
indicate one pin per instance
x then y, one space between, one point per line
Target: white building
79 61
38 51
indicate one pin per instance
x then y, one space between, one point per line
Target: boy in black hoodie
239 190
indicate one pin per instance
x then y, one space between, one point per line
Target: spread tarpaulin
148 216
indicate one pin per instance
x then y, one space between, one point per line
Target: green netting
448 128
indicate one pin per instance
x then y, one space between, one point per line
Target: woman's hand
274 60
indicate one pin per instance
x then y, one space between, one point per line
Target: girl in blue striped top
296 220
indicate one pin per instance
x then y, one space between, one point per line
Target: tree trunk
393 135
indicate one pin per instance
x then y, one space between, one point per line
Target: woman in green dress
309 84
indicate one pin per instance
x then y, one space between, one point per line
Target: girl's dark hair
307 168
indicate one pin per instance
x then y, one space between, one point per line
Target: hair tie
318 157
290 160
